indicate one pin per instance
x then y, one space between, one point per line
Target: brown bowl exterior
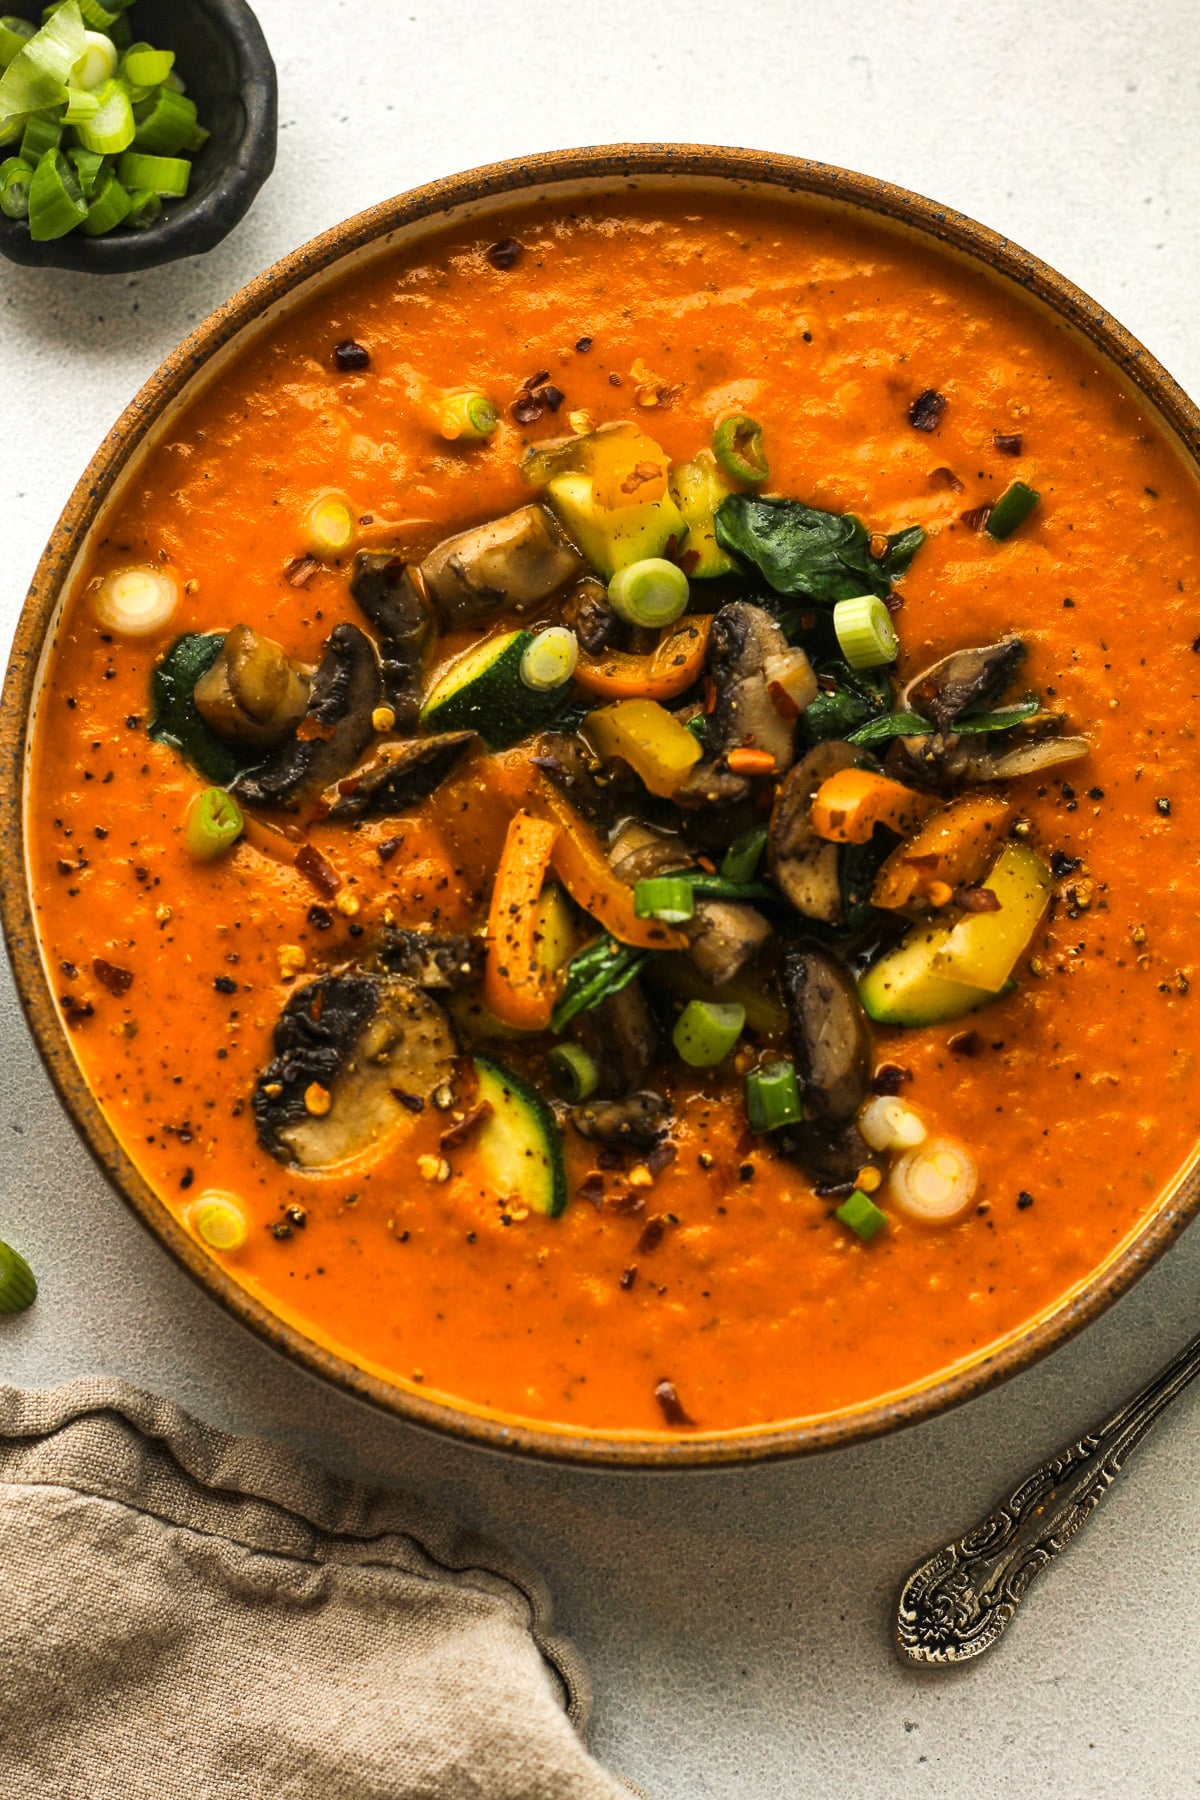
427 209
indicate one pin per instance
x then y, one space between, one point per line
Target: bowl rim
518 180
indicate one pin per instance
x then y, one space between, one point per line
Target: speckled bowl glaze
481 196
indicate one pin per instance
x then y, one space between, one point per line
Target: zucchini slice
519 1145
482 691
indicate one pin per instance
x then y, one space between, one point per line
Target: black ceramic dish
222 55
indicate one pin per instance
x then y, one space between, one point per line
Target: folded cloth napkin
186 1615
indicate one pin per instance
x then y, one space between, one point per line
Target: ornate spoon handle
959 1602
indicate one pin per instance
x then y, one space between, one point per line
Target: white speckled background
736 1624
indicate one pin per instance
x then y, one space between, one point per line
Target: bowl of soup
599 819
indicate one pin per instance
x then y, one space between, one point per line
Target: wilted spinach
803 552
848 700
175 720
911 724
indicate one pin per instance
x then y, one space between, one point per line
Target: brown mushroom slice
1021 759
748 655
832 1160
395 604
254 693
636 1122
724 935
620 1037
830 1035
588 612
400 777
709 784
334 732
601 791
510 563
968 678
355 1057
802 865
430 959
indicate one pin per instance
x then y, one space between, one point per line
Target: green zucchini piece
697 489
905 987
520 1145
612 538
482 691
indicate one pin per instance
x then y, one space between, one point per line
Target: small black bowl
222 55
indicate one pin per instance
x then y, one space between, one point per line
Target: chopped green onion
573 1072
549 661
42 132
773 1097
167 124
1011 509
862 1215
744 854
652 592
15 177
706 1031
15 33
89 166
80 105
39 73
329 528
109 206
738 447
145 209
98 63
165 175
214 824
56 202
865 633
100 18
144 66
177 84
466 415
111 131
219 1222
666 897
136 602
18 1284
935 1182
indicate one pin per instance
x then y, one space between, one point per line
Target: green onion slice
744 855
15 33
40 71
1011 509
18 1284
111 131
98 63
99 18
166 124
706 1031
108 207
145 209
466 414
573 1072
214 824
15 178
549 661
738 447
865 633
862 1215
773 1097
652 592
165 175
144 66
56 202
89 166
666 897
42 132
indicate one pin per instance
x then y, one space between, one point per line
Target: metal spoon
959 1602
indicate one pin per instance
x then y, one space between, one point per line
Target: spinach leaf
593 974
856 697
858 865
175 719
1001 720
801 551
910 724
890 725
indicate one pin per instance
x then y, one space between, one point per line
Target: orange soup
613 818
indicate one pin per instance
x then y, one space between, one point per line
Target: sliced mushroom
710 784
587 611
601 791
830 1035
750 660
395 605
637 1122
355 1055
831 1159
979 763
803 865
429 959
254 693
620 1037
958 760
964 679
336 728
513 562
401 776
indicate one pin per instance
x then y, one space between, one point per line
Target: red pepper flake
351 357
653 1233
628 1277
688 560
388 848
673 1409
926 410
976 900
1008 443
321 873
537 395
457 1134
710 697
945 478
782 701
661 1157
591 1189
977 517
756 762
889 1078
300 571
109 975
505 254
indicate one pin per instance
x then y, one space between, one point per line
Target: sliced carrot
670 669
517 986
750 762
848 807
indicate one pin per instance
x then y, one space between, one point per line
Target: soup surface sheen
1081 1098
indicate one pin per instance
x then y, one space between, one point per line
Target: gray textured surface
735 1623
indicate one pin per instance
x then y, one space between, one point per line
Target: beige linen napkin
186 1615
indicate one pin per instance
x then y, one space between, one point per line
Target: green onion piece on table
549 661
42 132
865 633
15 33
652 592
744 855
18 1284
145 209
108 207
467 415
165 175
738 447
214 824
773 1097
573 1072
861 1215
706 1031
145 67
111 131
15 178
56 202
1011 509
166 124
666 897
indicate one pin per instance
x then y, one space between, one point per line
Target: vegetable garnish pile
102 126
735 841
